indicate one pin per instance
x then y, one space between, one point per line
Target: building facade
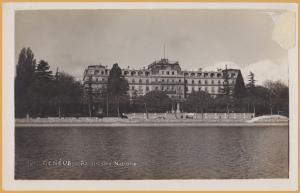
162 75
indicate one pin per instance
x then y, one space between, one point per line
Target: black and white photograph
153 92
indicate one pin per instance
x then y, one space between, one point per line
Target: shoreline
153 124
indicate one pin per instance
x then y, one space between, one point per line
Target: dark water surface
151 153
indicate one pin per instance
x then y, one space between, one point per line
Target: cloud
263 70
267 70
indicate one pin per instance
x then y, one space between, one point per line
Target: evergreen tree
43 72
226 89
239 90
117 86
251 81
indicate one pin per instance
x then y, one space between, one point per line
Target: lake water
151 153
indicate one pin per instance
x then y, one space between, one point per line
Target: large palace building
162 75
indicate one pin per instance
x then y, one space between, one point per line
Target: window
193 89
192 74
173 73
132 88
168 72
186 74
147 88
173 81
179 80
140 81
163 72
212 75
133 81
163 80
232 75
205 81
199 74
162 88
147 81
199 88
147 73
205 75
219 82
206 89
102 72
219 75
96 79
106 71
192 81
156 88
133 73
199 82
96 71
212 82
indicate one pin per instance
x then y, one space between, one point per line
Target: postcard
150 96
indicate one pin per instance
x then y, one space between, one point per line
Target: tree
278 94
250 92
222 103
226 89
66 94
197 101
117 86
42 73
239 90
24 79
251 81
156 102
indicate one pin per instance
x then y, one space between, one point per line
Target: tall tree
24 79
251 81
117 86
239 90
226 89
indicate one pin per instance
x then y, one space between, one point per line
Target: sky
73 39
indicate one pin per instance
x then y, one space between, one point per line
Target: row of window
168 72
132 73
147 73
206 74
172 88
173 81
102 72
213 89
167 80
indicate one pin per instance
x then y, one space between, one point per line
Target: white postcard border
8 110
